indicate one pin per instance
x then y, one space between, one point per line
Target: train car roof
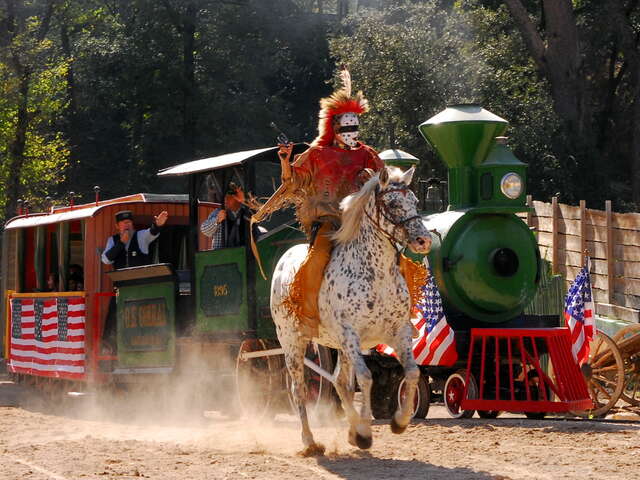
77 212
223 161
213 163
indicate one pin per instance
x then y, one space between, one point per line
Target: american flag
436 343
47 336
578 313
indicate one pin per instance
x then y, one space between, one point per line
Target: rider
335 165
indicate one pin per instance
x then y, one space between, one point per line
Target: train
204 314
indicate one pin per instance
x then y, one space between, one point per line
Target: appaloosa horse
363 299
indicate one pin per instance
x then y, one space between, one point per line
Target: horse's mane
353 206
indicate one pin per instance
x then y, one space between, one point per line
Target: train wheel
319 389
258 379
454 391
604 373
422 398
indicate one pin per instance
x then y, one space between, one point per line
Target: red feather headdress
340 101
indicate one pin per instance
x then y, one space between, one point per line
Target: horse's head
396 210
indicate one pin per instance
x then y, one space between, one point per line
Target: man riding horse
335 165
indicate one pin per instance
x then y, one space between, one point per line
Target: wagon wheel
258 379
422 398
628 341
319 389
604 374
454 392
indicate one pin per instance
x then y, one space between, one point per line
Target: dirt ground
87 438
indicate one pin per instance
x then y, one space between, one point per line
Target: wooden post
555 213
529 213
583 231
610 259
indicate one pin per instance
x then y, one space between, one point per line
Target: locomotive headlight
511 185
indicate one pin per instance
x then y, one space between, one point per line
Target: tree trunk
22 69
558 60
189 84
185 24
17 146
628 42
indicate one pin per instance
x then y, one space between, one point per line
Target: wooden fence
612 240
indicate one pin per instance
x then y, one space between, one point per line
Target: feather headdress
339 102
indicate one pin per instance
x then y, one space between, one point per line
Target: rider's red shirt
333 172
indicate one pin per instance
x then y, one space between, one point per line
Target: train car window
52 283
28 264
10 260
212 190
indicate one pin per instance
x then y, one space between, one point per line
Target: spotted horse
363 300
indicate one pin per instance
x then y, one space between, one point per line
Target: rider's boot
303 299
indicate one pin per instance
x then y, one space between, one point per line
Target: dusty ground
85 441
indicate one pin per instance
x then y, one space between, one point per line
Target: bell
433 199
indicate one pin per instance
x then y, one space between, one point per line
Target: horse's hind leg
404 350
294 358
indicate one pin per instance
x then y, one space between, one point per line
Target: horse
363 300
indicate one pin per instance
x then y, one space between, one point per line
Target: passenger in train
130 247
52 282
127 248
225 225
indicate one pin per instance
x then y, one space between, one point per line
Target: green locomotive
484 258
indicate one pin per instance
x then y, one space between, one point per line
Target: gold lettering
220 290
150 315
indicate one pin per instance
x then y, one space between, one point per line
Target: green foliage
117 90
414 60
34 154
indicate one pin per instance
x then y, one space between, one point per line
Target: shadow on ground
363 466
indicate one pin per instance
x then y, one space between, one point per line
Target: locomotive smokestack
462 135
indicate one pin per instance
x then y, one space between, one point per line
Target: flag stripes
48 336
579 315
435 344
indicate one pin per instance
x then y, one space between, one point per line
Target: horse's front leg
360 425
404 349
294 351
345 387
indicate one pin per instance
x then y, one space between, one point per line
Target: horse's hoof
395 427
352 437
363 442
313 450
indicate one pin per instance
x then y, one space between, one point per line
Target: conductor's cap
124 215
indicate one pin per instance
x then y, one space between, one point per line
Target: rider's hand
222 214
364 176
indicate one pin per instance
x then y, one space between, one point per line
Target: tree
414 60
34 153
592 69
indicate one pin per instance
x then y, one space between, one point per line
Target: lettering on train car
222 290
145 324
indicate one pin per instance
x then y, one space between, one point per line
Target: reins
381 209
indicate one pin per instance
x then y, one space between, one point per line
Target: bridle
383 211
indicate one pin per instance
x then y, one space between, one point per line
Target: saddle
302 302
